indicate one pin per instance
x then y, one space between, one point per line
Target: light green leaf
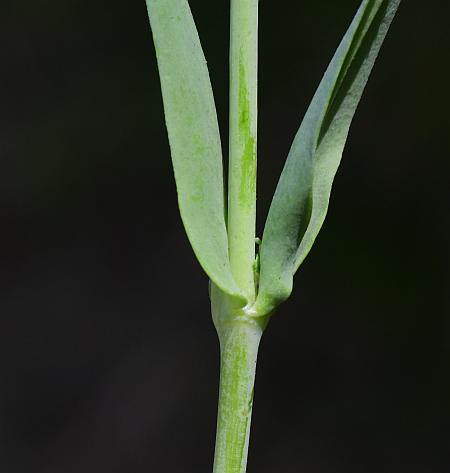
301 200
194 138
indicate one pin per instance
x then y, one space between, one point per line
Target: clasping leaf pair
301 199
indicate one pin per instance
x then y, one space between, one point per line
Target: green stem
239 334
243 134
239 337
239 349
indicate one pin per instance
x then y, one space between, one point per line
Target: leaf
301 199
194 138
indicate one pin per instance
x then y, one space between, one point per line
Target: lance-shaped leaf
194 138
301 199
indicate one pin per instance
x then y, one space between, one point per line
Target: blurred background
108 356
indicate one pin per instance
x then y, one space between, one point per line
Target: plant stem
239 349
243 134
239 336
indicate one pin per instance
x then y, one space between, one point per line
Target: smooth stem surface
239 348
243 131
239 334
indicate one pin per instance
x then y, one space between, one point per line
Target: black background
108 356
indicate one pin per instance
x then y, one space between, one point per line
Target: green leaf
194 138
301 199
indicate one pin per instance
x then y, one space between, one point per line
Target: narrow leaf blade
193 135
301 199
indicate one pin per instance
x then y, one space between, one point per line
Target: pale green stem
239 337
243 132
239 334
239 349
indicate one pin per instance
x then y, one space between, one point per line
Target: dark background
108 356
